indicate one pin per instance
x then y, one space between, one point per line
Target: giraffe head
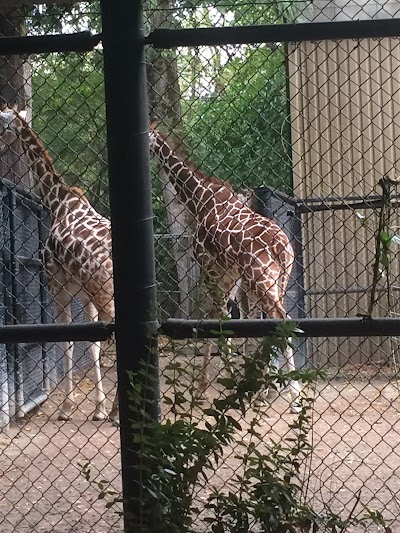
153 134
11 125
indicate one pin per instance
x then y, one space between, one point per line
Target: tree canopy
233 99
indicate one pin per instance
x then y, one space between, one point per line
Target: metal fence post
132 224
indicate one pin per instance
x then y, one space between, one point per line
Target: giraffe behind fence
232 243
78 258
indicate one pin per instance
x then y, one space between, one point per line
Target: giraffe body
77 254
233 244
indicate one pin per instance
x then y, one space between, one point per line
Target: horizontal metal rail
364 204
308 327
83 331
350 290
344 199
38 44
310 31
202 329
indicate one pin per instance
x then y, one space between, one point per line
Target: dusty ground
356 442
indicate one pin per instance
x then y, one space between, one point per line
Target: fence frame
130 193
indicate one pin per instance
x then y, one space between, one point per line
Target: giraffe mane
41 151
76 191
179 151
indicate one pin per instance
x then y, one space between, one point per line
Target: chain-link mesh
303 133
42 459
308 129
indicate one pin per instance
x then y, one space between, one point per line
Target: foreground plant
180 455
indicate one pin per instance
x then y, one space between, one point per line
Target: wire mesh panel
315 121
59 100
268 201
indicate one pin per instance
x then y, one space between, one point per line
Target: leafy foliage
69 114
178 457
236 129
241 132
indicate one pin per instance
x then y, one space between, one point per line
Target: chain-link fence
301 130
310 126
43 486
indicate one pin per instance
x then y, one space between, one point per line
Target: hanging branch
383 242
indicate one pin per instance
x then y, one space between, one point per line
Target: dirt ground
356 457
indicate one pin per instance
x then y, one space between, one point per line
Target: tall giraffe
77 254
232 243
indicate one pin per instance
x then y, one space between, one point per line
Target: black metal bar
44 304
310 327
365 204
37 333
313 205
41 44
7 300
133 239
298 253
349 290
274 33
15 349
342 199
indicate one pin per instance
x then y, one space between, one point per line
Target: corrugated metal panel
345 109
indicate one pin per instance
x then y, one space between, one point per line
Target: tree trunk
15 88
165 103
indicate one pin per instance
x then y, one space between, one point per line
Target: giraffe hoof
99 416
63 417
115 422
295 408
201 389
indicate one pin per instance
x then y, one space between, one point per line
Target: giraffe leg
94 349
65 412
114 414
294 386
107 314
205 370
274 308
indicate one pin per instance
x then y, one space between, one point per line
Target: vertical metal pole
41 218
15 308
132 228
299 281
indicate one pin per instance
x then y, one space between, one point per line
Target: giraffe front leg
63 306
294 386
204 378
100 398
114 414
100 412
68 404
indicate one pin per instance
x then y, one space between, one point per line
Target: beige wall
345 116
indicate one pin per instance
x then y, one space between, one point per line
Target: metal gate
29 370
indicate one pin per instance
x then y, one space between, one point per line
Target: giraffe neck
47 181
190 188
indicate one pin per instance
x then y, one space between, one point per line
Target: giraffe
77 253
232 243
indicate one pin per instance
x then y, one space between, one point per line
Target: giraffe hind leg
204 378
100 412
65 412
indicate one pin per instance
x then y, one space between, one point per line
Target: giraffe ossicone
234 245
77 253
